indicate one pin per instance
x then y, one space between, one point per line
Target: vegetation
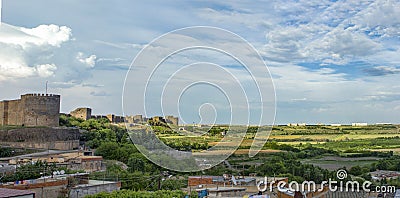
31 171
298 146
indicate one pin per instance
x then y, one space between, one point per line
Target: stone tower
31 110
82 113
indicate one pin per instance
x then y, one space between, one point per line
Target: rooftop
222 189
5 192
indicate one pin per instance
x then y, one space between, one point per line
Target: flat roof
95 183
5 192
222 189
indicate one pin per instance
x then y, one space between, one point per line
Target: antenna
47 82
1 5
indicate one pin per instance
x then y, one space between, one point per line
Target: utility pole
46 85
1 3
159 182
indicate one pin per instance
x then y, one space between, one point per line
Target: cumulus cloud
42 35
27 52
45 51
332 32
88 61
381 18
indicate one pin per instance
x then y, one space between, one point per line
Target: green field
349 146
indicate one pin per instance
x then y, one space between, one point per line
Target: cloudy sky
331 61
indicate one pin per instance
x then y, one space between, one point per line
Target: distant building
82 113
74 161
115 119
138 119
158 119
222 192
220 181
384 124
6 193
93 187
297 124
359 124
6 169
31 110
336 125
383 174
172 120
70 185
135 119
98 117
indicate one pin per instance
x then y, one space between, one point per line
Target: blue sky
331 61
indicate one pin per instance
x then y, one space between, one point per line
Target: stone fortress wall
85 114
37 119
82 113
41 138
31 110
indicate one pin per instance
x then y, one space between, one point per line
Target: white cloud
332 32
45 70
43 35
382 18
27 52
88 61
247 19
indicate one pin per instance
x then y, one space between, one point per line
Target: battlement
31 110
40 95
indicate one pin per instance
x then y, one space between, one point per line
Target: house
76 160
5 192
223 192
93 187
359 124
72 185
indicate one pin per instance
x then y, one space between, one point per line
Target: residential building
8 193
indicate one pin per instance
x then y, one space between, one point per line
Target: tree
356 170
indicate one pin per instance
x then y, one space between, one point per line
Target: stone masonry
31 110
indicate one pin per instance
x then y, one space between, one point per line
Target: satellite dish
62 172
55 173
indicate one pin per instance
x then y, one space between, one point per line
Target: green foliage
6 152
392 164
116 151
97 131
216 131
31 171
187 144
352 146
139 181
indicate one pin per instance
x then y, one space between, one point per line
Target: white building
359 124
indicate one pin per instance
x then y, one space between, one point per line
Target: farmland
342 146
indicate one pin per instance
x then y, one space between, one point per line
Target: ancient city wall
2 115
44 138
82 113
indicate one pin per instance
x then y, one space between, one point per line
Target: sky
330 61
